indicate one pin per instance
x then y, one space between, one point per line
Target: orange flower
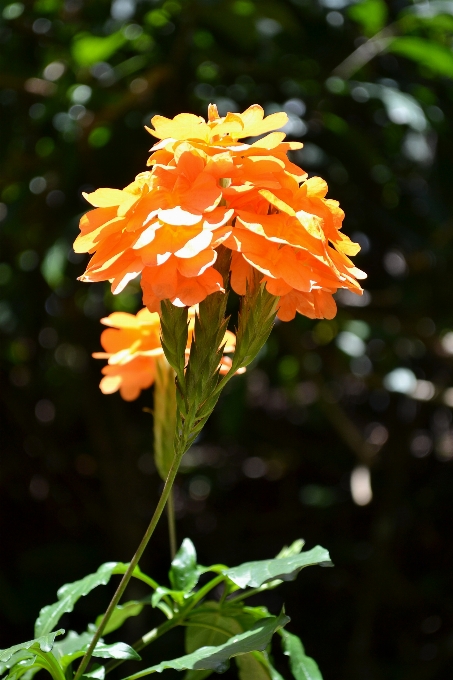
206 187
132 346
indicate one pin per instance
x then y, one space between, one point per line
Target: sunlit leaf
44 643
75 646
71 592
117 650
184 572
217 658
254 574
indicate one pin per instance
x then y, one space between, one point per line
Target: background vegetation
368 89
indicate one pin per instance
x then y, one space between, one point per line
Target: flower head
207 187
132 346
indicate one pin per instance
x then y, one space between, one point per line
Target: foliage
215 631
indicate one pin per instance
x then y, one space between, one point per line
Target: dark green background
76 479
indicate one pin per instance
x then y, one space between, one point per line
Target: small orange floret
132 346
207 187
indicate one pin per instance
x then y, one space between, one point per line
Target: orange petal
241 273
196 245
178 217
161 279
195 266
96 218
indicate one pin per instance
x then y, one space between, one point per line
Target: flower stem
172 524
127 576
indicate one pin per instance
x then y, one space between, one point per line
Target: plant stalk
127 576
172 524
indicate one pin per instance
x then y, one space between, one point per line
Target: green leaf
89 49
438 58
303 667
370 14
20 663
64 650
44 643
290 550
120 614
252 666
184 572
97 672
71 592
75 646
25 669
197 675
254 574
217 658
117 650
209 626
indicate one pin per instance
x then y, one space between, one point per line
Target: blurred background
342 431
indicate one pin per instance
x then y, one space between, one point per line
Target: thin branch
365 53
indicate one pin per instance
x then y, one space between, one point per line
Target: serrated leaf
303 667
71 592
217 658
44 643
184 572
255 574
120 614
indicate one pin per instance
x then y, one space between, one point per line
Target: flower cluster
132 346
206 188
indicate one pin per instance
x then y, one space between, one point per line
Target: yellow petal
120 320
183 126
270 141
110 384
312 223
106 198
277 203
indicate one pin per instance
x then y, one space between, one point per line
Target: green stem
249 593
147 579
127 576
52 665
172 524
